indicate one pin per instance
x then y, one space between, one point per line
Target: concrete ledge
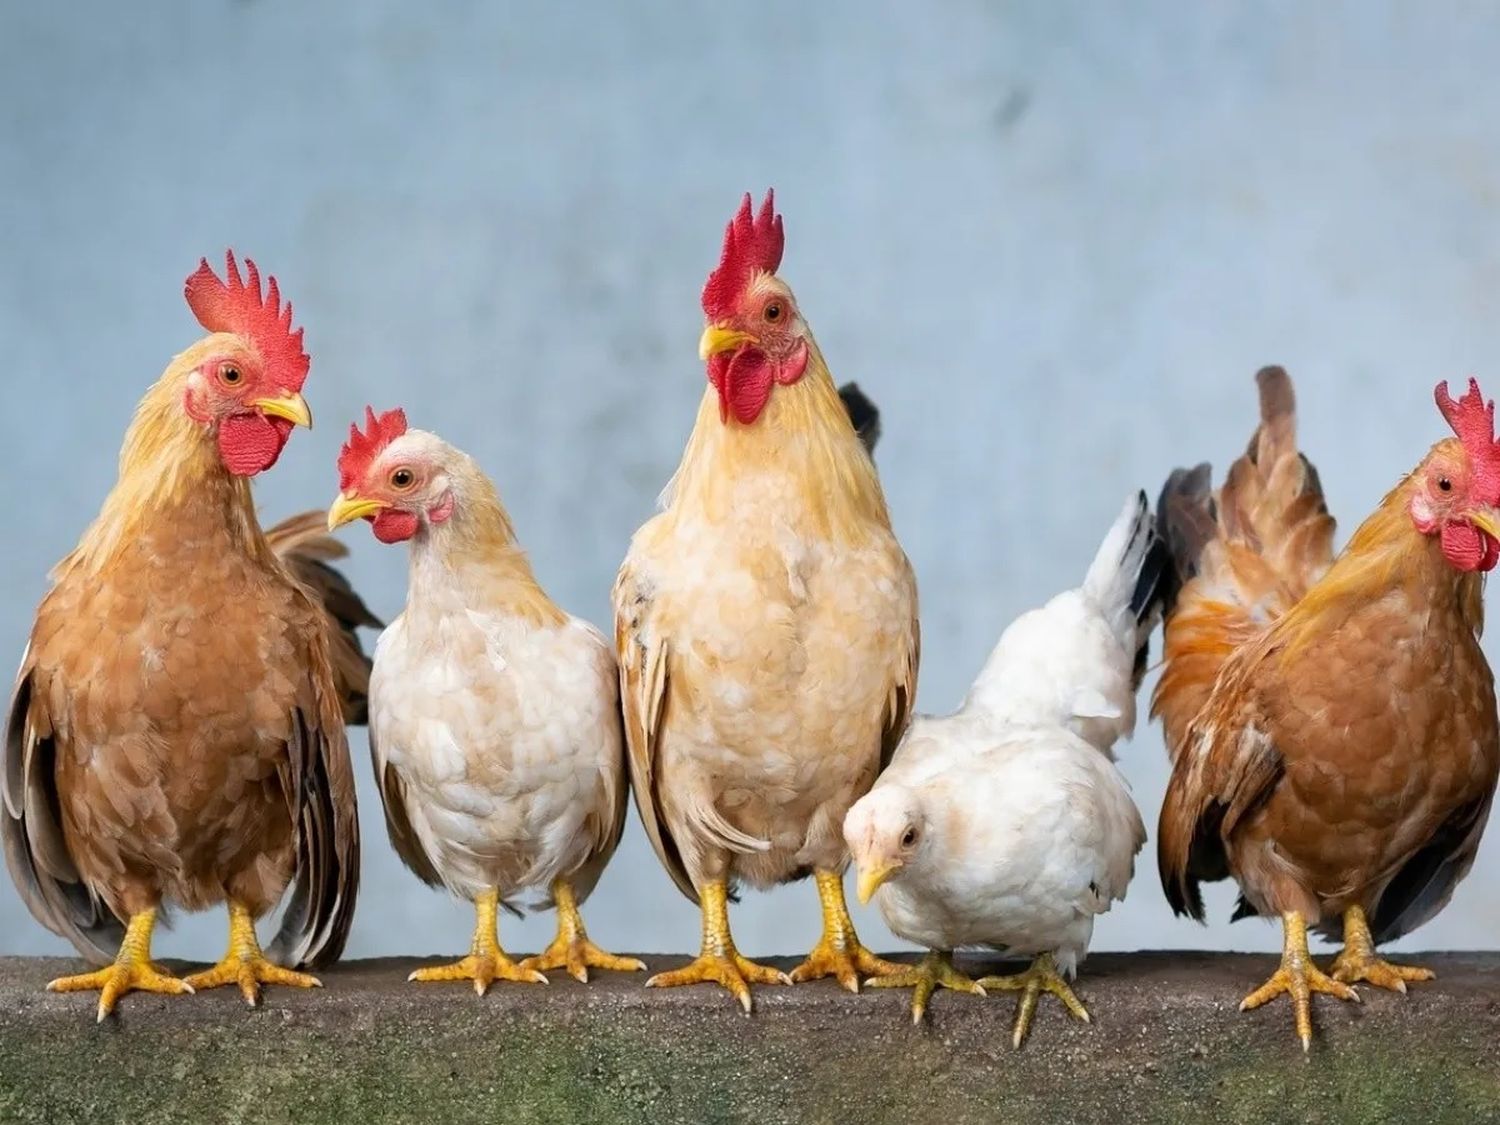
1167 1045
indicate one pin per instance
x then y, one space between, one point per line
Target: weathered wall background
1053 240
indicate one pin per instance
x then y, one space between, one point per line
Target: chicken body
766 625
495 721
785 632
1332 721
177 732
1007 824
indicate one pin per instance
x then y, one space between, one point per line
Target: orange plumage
1331 722
177 729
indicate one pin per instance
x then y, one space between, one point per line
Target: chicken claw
1357 961
719 962
571 949
486 962
1041 977
131 971
245 965
1299 978
932 972
839 953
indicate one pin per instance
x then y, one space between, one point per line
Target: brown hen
1331 722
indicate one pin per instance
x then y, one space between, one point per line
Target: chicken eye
773 311
231 374
1445 484
403 478
909 837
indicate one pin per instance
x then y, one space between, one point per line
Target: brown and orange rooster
1331 721
766 624
177 729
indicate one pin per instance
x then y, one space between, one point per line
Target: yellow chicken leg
1041 977
1357 961
934 971
838 953
1299 978
132 970
572 949
245 965
719 962
486 962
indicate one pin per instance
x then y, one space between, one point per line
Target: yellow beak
1487 521
716 338
349 507
870 879
292 407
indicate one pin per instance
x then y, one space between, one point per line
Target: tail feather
305 547
1129 579
864 415
1241 557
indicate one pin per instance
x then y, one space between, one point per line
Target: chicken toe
719 962
245 965
132 970
1299 978
486 962
1041 977
571 949
1358 962
934 971
839 953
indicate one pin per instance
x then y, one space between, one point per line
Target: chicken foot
719 962
1357 961
1041 977
245 965
486 962
571 949
131 971
1299 978
839 953
934 971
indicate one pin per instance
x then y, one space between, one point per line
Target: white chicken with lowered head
495 722
1006 824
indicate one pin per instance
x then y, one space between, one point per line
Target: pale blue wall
1053 239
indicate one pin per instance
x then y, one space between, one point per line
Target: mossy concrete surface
1166 1045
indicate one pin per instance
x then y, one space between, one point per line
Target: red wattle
251 443
1467 548
744 380
393 526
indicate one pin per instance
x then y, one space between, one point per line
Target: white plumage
1007 824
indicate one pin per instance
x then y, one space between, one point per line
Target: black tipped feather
863 413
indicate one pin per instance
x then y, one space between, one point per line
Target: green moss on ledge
1166 1045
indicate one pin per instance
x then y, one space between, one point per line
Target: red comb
362 448
234 306
751 244
1473 420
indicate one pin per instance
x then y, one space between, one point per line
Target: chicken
177 729
1331 722
766 624
1006 823
495 725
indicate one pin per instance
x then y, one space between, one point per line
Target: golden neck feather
803 434
170 470
1385 555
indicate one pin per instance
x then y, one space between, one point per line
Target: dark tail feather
1155 584
863 413
1185 523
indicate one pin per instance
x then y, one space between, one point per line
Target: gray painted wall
1054 240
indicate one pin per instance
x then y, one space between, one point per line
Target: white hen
494 716
1006 824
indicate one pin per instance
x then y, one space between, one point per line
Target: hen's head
885 831
755 336
245 383
398 479
1455 492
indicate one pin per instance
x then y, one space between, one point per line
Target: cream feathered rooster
767 626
